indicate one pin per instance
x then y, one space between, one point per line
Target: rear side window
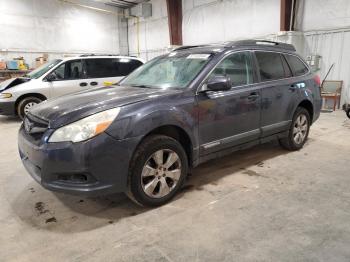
270 66
100 67
238 67
110 67
126 66
297 66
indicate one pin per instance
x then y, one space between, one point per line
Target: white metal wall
204 21
149 37
31 27
210 21
322 14
326 27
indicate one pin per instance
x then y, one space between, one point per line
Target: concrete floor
262 204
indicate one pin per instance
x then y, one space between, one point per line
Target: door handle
83 84
253 96
93 83
292 88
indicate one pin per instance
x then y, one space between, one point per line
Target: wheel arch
176 133
309 107
37 95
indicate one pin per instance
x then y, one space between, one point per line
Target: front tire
26 104
348 113
298 132
157 171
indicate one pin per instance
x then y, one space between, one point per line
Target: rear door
108 70
68 78
278 95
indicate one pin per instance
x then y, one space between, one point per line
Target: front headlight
5 95
85 128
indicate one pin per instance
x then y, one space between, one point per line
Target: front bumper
98 166
7 108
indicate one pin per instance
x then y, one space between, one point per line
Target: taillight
317 80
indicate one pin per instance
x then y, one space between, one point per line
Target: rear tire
298 132
348 113
157 171
26 104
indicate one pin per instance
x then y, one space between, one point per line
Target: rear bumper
7 108
95 167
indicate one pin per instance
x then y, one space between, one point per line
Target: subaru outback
177 111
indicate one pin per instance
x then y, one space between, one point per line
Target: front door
229 118
68 78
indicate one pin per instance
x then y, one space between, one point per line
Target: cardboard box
2 65
40 61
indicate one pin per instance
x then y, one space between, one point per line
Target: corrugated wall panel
333 47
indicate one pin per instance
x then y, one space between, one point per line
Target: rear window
297 66
270 66
110 67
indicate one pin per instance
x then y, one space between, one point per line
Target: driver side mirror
51 77
219 83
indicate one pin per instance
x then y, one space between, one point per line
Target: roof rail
185 47
85 55
257 43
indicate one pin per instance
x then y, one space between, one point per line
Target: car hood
12 82
5 83
70 108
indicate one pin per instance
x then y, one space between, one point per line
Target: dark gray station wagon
171 114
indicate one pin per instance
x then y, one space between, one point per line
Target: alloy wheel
300 129
161 173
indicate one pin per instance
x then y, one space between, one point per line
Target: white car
60 77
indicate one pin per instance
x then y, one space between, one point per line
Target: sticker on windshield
198 56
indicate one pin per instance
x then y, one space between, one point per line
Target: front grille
34 127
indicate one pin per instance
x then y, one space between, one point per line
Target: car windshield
42 69
171 71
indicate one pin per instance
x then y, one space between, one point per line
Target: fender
139 119
309 96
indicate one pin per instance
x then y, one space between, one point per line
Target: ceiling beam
287 15
174 8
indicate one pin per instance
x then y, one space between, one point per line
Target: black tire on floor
289 142
142 156
348 113
24 102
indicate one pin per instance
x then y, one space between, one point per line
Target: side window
110 67
297 65
270 66
126 66
287 70
69 70
100 67
238 67
59 72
